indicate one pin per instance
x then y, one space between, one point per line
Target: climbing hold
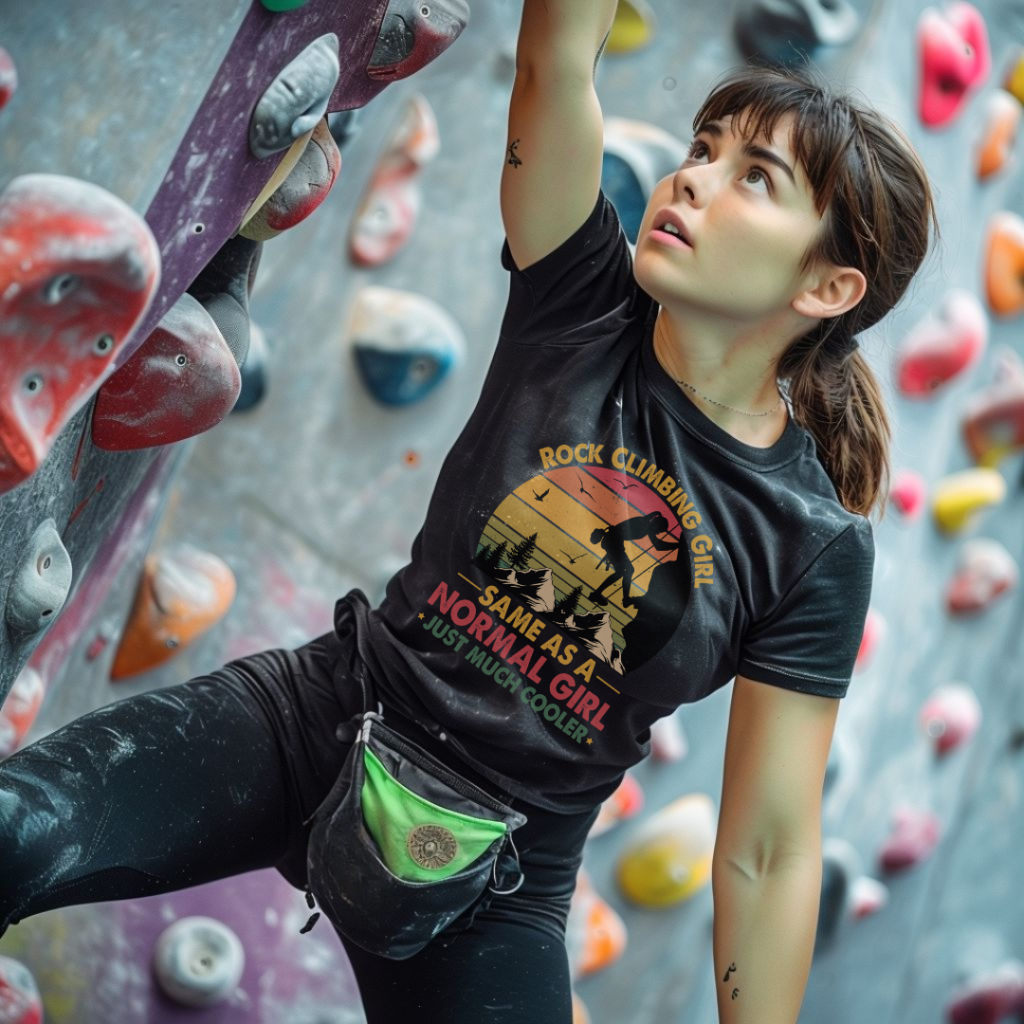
907 493
17 715
78 270
223 288
20 1001
999 133
279 6
634 27
667 858
914 836
874 632
580 1015
626 801
793 32
1004 271
412 34
668 739
41 581
254 371
391 205
198 961
8 77
958 498
1014 82
182 381
297 98
302 192
405 344
989 998
986 571
955 59
993 420
600 932
950 716
181 594
840 865
942 345
637 155
867 896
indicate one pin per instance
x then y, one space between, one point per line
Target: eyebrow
715 129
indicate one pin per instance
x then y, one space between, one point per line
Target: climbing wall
289 261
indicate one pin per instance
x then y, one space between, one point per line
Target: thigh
165 790
505 960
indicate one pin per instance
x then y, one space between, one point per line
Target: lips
669 216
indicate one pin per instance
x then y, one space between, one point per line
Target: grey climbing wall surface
319 487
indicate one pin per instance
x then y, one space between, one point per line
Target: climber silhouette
613 542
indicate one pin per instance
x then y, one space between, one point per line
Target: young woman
694 420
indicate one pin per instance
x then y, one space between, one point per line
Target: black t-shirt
597 551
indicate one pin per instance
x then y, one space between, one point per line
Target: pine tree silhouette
495 559
484 553
567 605
520 557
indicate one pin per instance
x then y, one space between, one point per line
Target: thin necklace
724 406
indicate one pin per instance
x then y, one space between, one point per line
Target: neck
750 394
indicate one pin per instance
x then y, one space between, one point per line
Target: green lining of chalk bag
391 811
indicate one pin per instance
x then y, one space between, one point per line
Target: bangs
823 126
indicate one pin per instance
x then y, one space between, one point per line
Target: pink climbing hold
989 998
20 1002
874 633
914 836
181 381
955 60
19 711
78 271
985 572
907 493
390 208
942 346
993 420
867 896
950 716
8 77
668 740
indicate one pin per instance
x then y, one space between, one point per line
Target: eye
755 169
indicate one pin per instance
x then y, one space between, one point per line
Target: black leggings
214 777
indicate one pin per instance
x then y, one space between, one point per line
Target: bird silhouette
541 497
626 487
570 557
583 490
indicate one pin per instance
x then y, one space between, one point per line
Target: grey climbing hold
297 99
41 582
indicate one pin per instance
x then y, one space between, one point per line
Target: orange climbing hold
626 801
182 593
19 711
1002 119
1004 271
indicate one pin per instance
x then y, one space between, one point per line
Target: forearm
553 32
764 928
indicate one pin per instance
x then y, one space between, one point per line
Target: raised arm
553 154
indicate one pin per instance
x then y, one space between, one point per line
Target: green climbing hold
277 6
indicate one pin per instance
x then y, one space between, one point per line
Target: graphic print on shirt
599 553
592 574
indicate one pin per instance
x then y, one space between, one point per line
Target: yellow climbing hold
957 498
634 26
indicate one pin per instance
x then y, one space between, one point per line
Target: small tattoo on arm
729 970
512 158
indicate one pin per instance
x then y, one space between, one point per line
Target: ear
837 290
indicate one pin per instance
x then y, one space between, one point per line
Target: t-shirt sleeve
810 641
576 291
